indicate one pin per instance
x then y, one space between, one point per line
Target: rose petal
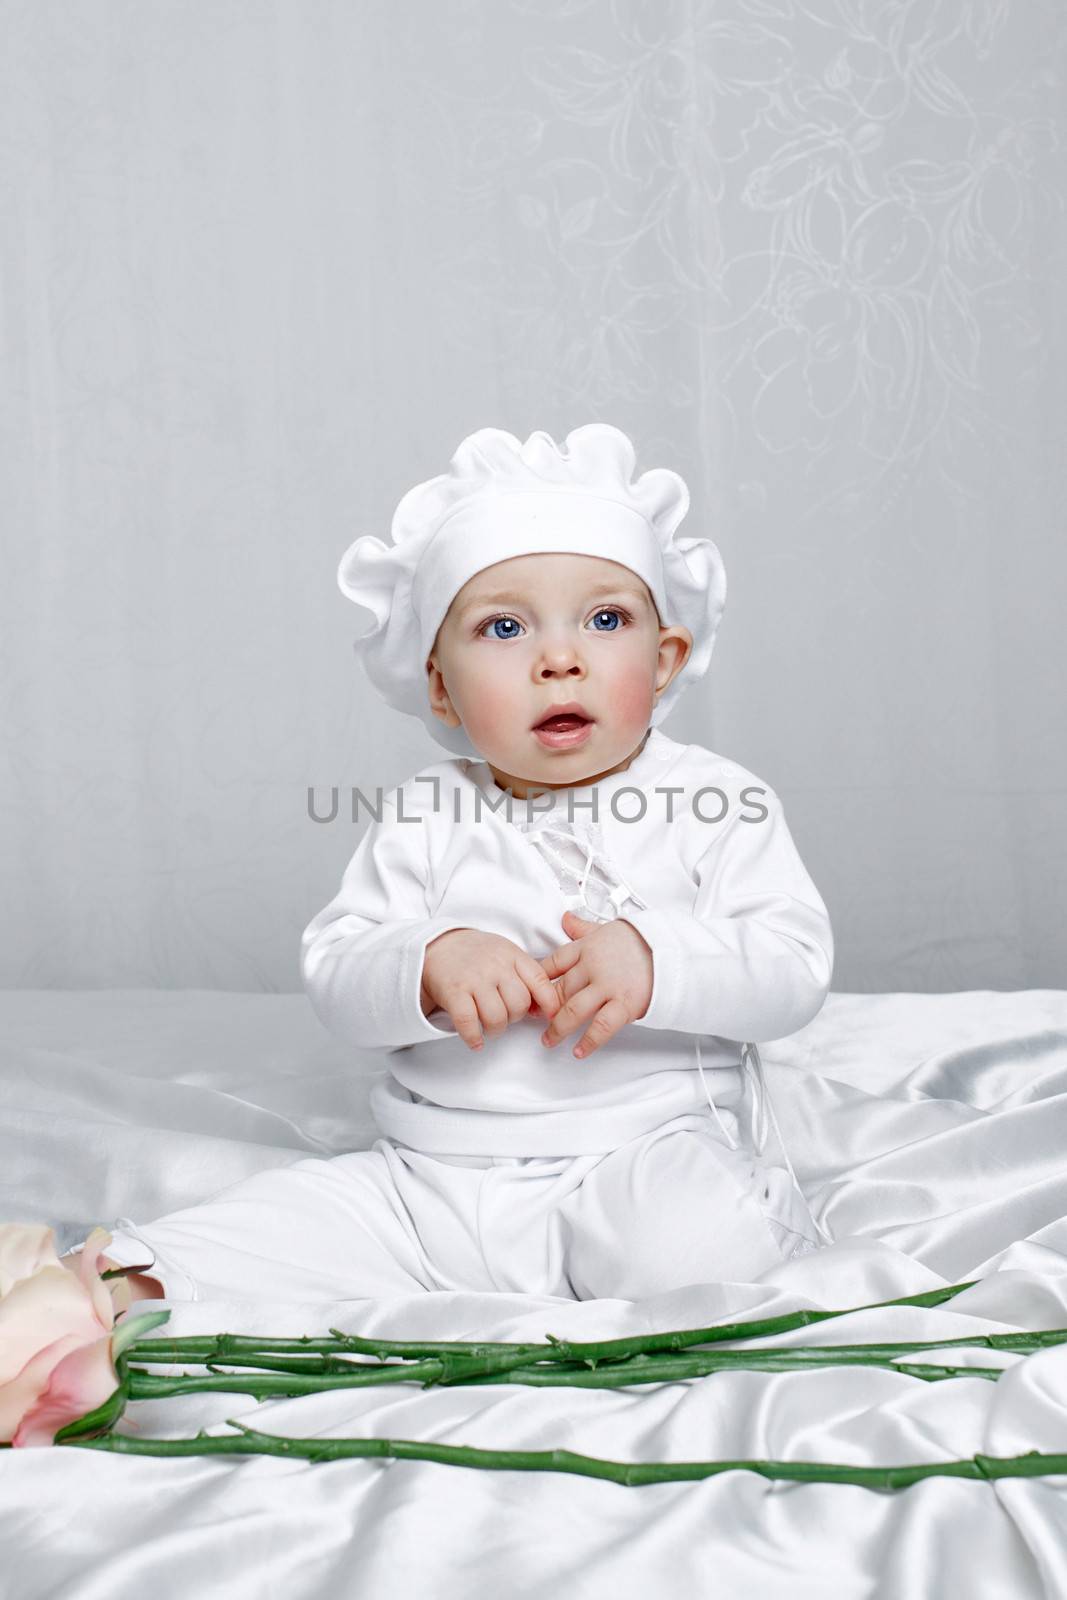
25 1247
40 1310
88 1273
82 1380
22 1393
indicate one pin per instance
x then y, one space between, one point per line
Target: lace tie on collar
600 888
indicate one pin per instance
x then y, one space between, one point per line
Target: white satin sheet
929 1132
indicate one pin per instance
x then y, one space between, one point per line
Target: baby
538 610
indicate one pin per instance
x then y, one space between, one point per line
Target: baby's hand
604 973
484 982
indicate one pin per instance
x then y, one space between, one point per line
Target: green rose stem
314 1360
320 1375
229 1346
432 1369
148 1386
1013 1343
630 1474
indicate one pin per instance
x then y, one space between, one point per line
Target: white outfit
639 1168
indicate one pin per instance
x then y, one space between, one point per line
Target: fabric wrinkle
479 1201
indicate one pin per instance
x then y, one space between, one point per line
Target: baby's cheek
489 714
632 697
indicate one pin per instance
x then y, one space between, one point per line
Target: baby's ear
446 715
440 704
675 648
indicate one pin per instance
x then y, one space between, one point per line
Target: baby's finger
609 1019
492 1010
516 997
557 962
539 985
572 982
577 1010
464 1014
539 1011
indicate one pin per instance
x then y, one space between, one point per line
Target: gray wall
263 265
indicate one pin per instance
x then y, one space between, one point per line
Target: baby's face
539 631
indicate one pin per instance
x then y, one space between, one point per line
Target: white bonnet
501 498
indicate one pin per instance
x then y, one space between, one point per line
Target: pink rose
58 1340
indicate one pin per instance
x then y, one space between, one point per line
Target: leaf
130 1329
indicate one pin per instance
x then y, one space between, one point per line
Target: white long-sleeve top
708 874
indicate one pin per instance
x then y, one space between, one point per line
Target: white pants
673 1207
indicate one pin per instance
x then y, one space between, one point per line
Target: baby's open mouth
561 721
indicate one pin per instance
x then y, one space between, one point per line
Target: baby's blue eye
610 614
502 622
